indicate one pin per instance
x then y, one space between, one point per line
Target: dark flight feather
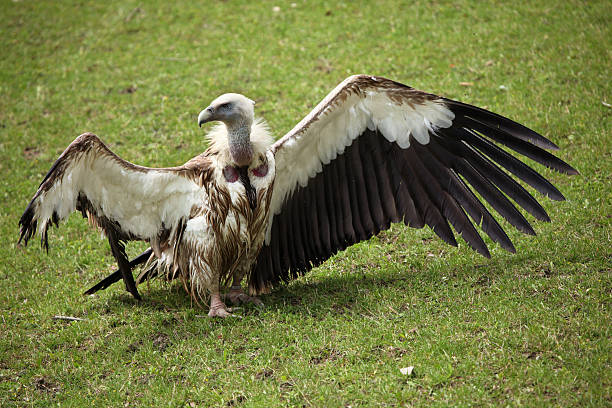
374 182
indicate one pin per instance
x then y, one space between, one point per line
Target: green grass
531 329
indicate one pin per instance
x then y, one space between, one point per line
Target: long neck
240 147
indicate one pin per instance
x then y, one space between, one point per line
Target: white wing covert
375 151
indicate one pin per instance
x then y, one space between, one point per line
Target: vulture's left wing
375 151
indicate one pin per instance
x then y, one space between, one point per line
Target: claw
237 296
218 308
220 312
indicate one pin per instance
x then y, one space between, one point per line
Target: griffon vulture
373 152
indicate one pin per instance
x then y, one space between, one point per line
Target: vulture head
236 112
231 109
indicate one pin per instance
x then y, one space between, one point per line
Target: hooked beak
206 115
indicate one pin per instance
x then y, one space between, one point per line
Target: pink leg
217 307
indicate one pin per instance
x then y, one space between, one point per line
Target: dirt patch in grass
236 401
133 347
161 341
263 374
326 356
44 384
129 90
30 153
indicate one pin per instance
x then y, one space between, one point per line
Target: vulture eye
225 106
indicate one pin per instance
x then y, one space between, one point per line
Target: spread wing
128 202
374 152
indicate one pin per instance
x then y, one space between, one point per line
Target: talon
236 295
218 308
220 312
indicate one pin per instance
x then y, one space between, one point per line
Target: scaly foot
236 295
217 307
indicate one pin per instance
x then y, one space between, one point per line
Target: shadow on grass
336 295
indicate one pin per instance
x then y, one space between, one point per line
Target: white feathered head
230 108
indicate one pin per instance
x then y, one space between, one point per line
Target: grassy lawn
531 329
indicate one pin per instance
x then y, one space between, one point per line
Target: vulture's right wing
375 151
128 202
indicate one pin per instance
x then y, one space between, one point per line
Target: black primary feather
374 182
118 250
116 276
